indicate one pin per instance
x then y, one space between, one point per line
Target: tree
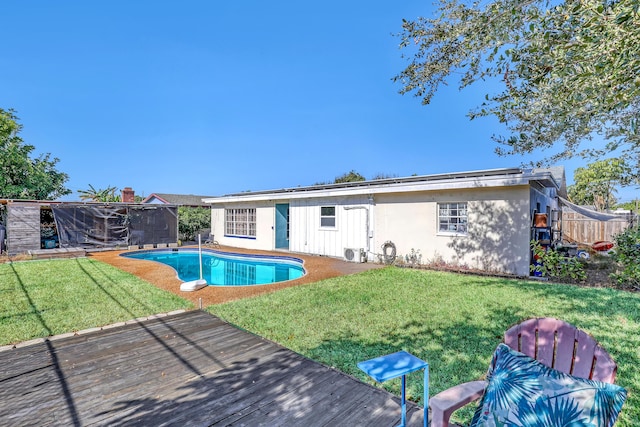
596 184
627 255
191 220
570 70
351 176
381 175
22 177
107 195
632 205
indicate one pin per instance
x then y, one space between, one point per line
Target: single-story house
479 219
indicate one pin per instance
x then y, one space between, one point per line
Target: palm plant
99 195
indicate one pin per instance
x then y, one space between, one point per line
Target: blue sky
208 97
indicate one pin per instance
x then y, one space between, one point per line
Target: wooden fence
23 227
578 228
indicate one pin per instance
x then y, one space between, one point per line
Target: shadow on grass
460 351
125 307
123 301
456 353
34 309
51 354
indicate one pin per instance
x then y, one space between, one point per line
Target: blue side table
393 365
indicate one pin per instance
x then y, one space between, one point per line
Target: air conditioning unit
354 255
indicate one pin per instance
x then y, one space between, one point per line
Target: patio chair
554 343
210 241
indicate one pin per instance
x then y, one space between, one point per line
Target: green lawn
452 321
43 298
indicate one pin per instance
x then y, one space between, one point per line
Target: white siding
308 236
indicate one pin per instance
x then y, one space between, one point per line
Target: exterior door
282 226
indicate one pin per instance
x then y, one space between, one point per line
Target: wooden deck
185 369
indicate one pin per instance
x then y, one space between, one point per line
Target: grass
44 298
452 321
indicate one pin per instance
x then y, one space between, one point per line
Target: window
452 218
328 216
240 222
288 224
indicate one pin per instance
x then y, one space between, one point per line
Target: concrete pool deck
317 268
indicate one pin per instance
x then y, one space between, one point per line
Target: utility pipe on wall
366 208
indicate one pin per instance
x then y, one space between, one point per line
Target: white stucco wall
498 222
265 214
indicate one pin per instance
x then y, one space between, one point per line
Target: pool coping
219 252
289 260
162 276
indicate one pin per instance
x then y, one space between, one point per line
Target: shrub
413 258
556 265
191 220
627 256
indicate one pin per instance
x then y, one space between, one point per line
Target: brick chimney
128 195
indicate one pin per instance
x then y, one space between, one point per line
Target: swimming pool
225 269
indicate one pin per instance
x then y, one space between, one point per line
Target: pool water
223 269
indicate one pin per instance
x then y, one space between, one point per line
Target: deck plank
185 369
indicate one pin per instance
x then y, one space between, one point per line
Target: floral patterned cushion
523 392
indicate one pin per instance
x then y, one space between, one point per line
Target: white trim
413 184
439 206
334 216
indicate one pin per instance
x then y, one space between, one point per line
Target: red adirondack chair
553 342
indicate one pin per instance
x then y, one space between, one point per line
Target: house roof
559 176
175 199
50 203
457 180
